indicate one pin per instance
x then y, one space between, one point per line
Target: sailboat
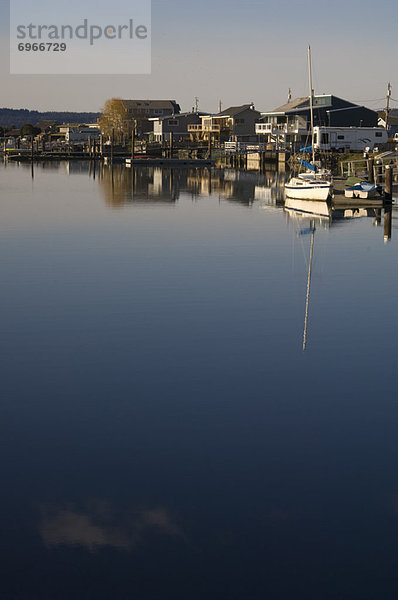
310 185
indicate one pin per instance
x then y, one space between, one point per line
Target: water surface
163 433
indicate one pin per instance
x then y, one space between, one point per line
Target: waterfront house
79 132
140 111
177 124
236 123
289 124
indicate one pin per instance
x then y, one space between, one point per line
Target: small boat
307 187
363 190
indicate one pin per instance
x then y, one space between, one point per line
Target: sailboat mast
311 102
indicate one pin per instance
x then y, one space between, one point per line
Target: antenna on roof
196 104
289 95
219 106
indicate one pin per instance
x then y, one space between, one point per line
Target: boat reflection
335 212
321 209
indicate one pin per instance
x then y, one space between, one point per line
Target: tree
27 130
115 117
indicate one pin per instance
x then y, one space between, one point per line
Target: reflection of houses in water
75 167
272 192
122 186
241 186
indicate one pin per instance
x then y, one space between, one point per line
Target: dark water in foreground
163 434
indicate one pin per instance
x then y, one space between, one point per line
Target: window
325 138
173 122
340 137
239 121
378 134
315 138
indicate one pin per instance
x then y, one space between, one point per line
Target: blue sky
237 52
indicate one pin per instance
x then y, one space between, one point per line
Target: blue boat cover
363 186
308 165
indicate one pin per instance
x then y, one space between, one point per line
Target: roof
185 114
296 103
151 104
345 108
302 103
232 111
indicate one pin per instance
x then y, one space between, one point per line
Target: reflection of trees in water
123 185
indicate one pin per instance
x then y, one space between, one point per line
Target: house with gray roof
290 123
141 111
177 124
236 123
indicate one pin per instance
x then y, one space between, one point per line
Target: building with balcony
181 125
289 125
75 133
236 123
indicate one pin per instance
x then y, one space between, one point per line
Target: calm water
163 433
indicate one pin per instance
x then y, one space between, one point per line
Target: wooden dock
166 162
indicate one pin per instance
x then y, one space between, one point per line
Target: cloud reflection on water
99 527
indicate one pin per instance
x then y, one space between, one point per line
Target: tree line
17 117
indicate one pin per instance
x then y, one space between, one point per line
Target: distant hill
18 117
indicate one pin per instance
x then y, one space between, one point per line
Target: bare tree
115 117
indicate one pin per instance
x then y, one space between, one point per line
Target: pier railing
373 169
194 128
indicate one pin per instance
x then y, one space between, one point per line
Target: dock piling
370 165
387 222
388 184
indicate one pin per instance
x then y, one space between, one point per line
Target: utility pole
219 106
388 103
289 95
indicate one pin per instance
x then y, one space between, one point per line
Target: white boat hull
308 191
